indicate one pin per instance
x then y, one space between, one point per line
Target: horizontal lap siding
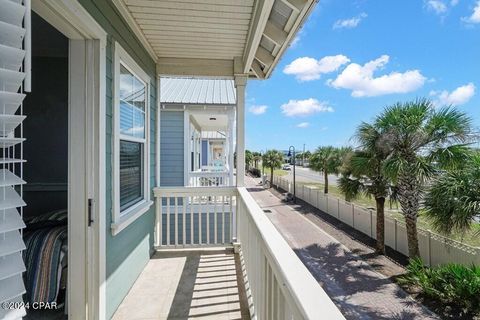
128 252
172 148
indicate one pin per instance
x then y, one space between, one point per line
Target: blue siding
128 252
172 149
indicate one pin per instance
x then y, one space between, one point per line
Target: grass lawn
279 172
471 237
276 172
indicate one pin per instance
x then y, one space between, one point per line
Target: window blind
14 69
131 172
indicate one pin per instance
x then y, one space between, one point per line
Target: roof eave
256 62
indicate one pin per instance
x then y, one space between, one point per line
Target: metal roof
197 91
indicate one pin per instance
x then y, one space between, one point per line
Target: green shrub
452 284
255 172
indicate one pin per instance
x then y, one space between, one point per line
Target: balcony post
231 121
240 83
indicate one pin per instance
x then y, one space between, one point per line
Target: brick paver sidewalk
359 291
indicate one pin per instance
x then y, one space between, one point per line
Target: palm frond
272 159
453 200
351 188
448 125
450 157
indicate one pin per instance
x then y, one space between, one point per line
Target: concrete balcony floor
188 285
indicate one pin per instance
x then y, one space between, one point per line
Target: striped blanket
44 238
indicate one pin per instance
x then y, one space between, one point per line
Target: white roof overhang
215 38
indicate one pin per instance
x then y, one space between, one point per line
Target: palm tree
272 159
363 173
326 160
422 140
256 157
453 200
307 155
248 159
303 157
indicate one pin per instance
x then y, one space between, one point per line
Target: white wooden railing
190 216
209 178
278 285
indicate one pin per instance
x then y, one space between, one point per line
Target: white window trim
121 219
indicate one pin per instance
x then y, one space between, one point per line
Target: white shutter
14 81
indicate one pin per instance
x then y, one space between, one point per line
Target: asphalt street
308 175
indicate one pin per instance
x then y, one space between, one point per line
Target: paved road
356 288
308 175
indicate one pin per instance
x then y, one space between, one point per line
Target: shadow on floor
350 282
343 228
201 284
210 287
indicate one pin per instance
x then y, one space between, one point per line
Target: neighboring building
205 110
90 132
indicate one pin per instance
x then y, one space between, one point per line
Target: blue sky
352 58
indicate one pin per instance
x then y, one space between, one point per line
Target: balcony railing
191 216
209 178
278 285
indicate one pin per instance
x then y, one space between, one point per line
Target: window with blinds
14 69
131 150
132 96
131 177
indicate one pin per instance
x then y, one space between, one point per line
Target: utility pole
303 156
291 153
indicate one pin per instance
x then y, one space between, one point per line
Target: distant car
286 167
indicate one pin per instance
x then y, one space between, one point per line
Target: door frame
86 154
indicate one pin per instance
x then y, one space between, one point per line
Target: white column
240 83
187 147
229 144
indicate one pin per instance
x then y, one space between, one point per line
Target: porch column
240 83
229 144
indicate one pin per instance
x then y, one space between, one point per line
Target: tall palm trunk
271 177
409 198
412 237
325 177
380 246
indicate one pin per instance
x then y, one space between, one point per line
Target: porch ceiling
215 37
213 121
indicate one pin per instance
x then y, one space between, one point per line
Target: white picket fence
435 249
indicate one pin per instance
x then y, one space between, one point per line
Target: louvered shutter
14 62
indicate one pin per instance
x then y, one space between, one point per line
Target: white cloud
304 107
295 41
475 16
349 23
459 96
437 6
307 69
257 110
297 38
361 80
303 125
453 3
